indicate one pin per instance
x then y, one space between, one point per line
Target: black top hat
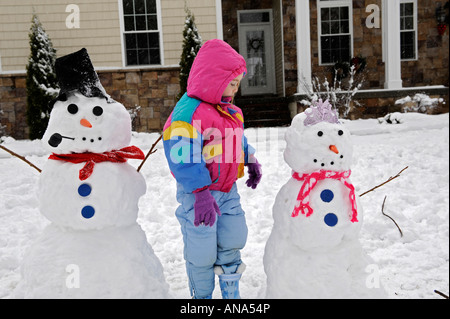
75 72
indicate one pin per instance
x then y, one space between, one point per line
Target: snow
412 266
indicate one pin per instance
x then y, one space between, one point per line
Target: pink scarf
310 181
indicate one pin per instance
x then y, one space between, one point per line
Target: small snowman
313 250
93 247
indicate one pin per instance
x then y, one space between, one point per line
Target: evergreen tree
42 86
192 42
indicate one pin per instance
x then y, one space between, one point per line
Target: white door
257 47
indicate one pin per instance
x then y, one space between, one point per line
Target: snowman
93 247
313 250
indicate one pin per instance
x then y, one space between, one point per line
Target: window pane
325 14
130 41
345 26
325 43
153 40
152 22
344 13
129 23
409 23
128 6
154 56
141 23
325 28
254 17
407 45
335 27
139 6
334 13
142 40
409 9
132 57
143 57
151 6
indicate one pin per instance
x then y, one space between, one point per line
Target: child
206 149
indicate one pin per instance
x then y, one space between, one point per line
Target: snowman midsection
330 223
109 197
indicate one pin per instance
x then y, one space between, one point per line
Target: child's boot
229 277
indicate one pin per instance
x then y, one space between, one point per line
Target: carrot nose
85 123
333 148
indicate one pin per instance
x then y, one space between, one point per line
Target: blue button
330 219
84 190
327 195
87 212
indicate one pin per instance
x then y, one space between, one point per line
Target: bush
41 81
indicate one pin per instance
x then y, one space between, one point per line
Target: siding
173 24
99 30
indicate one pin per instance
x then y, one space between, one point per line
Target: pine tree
42 86
192 42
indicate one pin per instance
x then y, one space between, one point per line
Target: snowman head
84 118
317 141
81 124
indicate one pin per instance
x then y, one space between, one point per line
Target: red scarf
310 181
119 156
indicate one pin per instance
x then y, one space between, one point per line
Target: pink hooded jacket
204 138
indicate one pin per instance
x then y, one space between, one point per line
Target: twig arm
389 179
382 211
20 157
151 151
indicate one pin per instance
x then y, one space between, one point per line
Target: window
335 31
141 32
408 43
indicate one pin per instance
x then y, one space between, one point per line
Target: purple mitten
254 174
205 208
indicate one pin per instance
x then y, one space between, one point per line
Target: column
303 45
391 43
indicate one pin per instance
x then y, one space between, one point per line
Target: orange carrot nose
85 123
333 148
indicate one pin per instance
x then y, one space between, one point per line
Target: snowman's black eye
72 108
320 133
97 111
340 132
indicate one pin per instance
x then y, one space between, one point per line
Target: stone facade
154 90
13 105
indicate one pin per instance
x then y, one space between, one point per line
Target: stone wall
13 105
433 49
154 90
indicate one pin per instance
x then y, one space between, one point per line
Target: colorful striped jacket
204 140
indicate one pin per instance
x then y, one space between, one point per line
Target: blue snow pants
206 246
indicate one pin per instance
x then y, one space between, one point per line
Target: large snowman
93 247
313 250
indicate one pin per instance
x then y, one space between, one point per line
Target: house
135 46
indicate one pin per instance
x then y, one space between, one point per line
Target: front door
256 46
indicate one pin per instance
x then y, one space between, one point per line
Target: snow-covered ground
412 266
